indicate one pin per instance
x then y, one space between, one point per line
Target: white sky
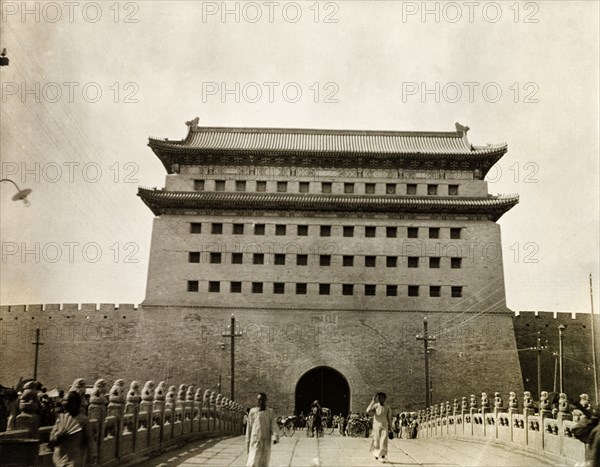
173 51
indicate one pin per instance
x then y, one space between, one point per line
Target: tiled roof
160 200
280 140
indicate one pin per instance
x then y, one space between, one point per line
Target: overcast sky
86 87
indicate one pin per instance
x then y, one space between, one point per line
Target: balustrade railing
546 429
125 424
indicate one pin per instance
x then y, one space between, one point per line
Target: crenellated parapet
545 427
128 424
72 310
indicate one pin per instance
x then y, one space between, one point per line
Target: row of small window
327 187
325 289
326 230
279 259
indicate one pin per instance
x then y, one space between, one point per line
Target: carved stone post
197 411
145 415
169 420
97 411
224 415
179 410
188 411
114 418
527 404
485 404
158 413
218 418
498 404
29 419
545 406
130 419
205 421
212 411
116 400
473 405
563 408
513 403
464 407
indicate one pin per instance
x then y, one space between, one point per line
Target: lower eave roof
161 201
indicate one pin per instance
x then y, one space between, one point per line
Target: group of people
262 429
406 426
314 421
48 408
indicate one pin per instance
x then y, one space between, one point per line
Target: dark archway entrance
326 385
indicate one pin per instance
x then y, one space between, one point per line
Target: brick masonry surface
374 350
577 347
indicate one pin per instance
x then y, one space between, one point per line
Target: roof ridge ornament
192 124
461 128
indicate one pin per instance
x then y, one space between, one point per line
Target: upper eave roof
161 201
424 145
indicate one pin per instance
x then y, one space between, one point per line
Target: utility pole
232 335
426 338
555 354
37 344
538 349
594 361
561 374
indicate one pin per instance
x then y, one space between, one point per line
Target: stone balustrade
127 423
547 430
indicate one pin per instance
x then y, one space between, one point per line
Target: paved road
335 450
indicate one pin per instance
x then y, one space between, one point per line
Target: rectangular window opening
301 260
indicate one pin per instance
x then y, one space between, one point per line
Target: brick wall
480 276
577 347
373 351
86 339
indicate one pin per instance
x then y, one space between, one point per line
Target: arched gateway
326 385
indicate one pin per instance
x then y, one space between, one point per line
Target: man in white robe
382 424
261 429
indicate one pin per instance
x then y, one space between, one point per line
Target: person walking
261 430
72 436
382 425
404 425
317 419
414 427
